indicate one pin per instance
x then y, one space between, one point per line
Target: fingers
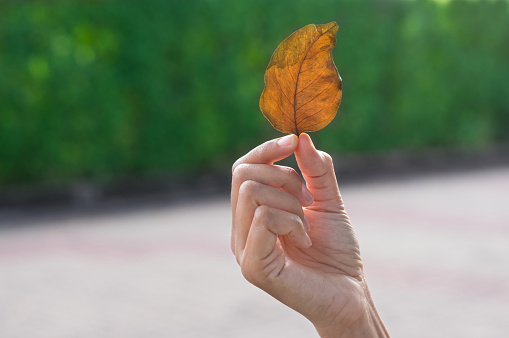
275 176
318 171
270 151
263 258
252 195
266 153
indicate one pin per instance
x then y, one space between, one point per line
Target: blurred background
119 122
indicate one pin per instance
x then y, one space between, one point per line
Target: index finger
270 151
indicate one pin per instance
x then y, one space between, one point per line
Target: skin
294 240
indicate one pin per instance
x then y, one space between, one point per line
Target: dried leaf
302 85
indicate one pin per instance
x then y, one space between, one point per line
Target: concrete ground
435 248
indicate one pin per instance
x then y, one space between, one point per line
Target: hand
297 242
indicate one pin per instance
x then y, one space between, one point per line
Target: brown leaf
302 85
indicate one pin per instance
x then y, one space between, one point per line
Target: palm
331 266
335 248
324 281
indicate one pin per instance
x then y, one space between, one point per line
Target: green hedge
104 89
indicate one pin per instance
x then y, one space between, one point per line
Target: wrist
356 320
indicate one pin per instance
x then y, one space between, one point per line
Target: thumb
318 171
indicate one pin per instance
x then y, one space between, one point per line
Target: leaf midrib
297 79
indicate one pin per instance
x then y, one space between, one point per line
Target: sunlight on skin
303 251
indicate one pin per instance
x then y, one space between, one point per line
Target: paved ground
436 252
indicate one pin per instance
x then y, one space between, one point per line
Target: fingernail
307 195
309 138
307 225
308 241
286 141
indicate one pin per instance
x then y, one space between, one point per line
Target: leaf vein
296 82
282 111
300 91
320 93
307 117
282 91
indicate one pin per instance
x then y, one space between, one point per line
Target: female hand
295 240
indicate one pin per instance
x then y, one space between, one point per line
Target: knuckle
248 187
263 215
296 180
327 159
239 171
249 274
236 164
289 171
295 174
292 174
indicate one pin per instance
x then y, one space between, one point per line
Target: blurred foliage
103 89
